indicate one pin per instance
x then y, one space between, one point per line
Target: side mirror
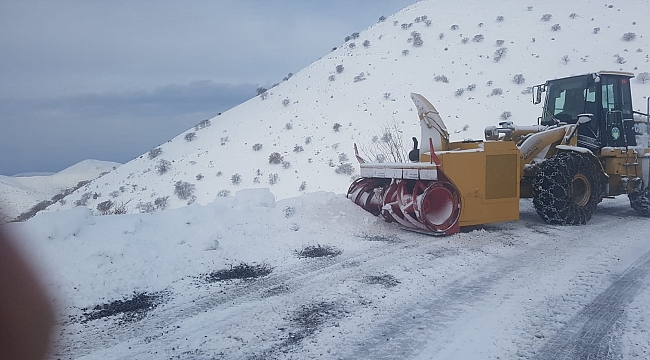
584 118
538 94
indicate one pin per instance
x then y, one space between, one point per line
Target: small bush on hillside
366 43
441 78
355 35
573 15
387 95
518 79
629 36
199 177
496 91
529 8
566 59
104 206
83 201
114 194
500 18
147 207
352 45
428 22
161 202
153 153
264 95
478 38
275 158
308 140
405 52
441 36
336 127
454 27
332 78
339 69
596 30
480 24
235 179
417 42
286 164
471 87
184 190
223 193
556 27
224 140
506 115
257 147
500 43
303 186
459 92
643 77
500 53
345 168
163 166
190 136
547 17
382 18
465 40
343 157
489 83
620 59
298 148
205 123
273 179
360 77
286 102
288 126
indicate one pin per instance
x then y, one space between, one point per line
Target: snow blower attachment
580 152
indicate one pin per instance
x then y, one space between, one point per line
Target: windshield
566 98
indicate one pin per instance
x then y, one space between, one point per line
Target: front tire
567 188
640 201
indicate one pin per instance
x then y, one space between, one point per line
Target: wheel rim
581 190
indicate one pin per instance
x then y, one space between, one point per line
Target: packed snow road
369 290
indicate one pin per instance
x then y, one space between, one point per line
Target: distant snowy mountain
462 55
19 193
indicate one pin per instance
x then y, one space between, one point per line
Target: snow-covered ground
260 267
19 193
510 290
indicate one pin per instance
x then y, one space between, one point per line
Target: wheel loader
589 144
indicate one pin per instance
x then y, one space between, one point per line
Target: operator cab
605 95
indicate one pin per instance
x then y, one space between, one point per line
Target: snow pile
300 135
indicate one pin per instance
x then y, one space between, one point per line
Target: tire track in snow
588 334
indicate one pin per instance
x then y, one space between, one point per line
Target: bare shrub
288 126
459 92
360 77
465 40
387 146
298 148
620 59
235 179
273 179
286 102
366 43
146 207
573 15
223 140
500 53
345 168
496 91
339 69
331 78
500 43
308 140
163 166
114 194
629 36
596 30
441 36
286 164
257 147
518 79
190 136
303 186
184 190
428 22
566 59
500 18
441 78
478 38
161 202
547 17
506 115
153 153
104 206
83 201
223 193
205 123
343 157
275 158
643 77
405 52
471 87
336 127
454 27
556 27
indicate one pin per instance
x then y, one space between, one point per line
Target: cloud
51 134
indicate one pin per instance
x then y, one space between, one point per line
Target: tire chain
640 201
552 185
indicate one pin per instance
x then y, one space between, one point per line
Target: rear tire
567 188
640 201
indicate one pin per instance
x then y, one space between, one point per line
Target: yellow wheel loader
588 144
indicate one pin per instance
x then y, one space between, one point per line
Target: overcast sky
109 80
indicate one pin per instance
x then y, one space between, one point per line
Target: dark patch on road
318 251
242 272
588 334
381 238
131 309
387 280
310 318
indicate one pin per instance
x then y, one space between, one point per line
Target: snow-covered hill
19 193
313 118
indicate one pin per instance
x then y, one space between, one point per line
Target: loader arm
542 145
